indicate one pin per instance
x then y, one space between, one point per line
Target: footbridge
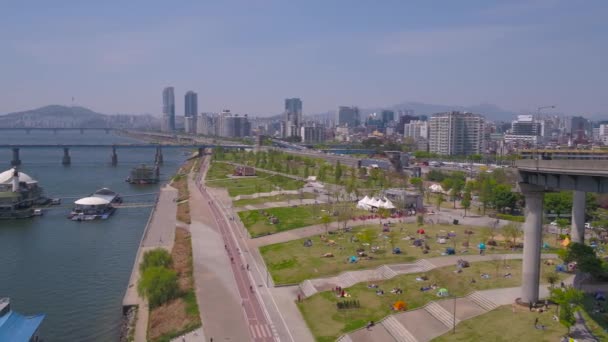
538 176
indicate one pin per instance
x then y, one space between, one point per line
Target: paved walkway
159 232
216 290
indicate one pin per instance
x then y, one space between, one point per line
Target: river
75 272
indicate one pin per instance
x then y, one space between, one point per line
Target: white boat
37 212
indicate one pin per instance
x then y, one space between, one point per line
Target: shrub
158 257
511 217
158 284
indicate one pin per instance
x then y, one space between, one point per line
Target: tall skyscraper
348 116
190 111
191 104
293 117
168 124
456 133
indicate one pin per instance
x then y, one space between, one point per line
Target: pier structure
15 161
158 159
114 156
66 160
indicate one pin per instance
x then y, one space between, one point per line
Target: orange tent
400 306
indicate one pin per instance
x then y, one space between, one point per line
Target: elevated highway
537 176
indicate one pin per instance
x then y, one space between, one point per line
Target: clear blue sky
116 56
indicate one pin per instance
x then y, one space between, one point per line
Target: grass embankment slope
327 322
181 314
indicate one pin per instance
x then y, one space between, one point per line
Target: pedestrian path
347 279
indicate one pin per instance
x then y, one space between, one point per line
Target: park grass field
294 199
289 218
217 177
327 322
504 325
291 262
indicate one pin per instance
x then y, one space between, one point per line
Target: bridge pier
577 231
158 159
16 161
66 160
533 235
114 156
200 152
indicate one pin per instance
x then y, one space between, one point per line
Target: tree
383 212
558 203
568 300
158 284
306 171
487 234
338 172
367 236
512 232
503 197
485 193
158 257
562 224
585 257
326 220
552 278
466 201
457 186
393 238
438 200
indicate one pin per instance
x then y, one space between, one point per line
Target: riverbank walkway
217 293
159 232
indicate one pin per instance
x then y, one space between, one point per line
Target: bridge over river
67 159
537 176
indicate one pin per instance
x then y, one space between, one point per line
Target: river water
75 272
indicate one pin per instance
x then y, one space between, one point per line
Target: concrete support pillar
114 156
201 151
577 233
159 155
16 161
66 160
532 242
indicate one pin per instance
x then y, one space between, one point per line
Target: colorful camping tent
443 292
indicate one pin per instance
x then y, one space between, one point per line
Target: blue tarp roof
16 327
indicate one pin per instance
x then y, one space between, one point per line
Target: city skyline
518 55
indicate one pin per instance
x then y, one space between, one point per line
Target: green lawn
504 325
294 199
327 322
262 182
291 262
289 218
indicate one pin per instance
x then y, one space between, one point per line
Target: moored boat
91 208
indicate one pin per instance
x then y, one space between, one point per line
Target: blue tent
482 246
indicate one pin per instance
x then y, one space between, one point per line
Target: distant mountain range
55 116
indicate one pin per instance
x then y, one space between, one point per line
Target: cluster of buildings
224 124
449 133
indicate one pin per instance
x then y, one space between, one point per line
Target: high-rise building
190 111
202 124
313 134
416 129
348 116
456 133
293 117
233 126
387 116
525 130
168 124
580 128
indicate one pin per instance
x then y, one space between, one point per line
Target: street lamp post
454 318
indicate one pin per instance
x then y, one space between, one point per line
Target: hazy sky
116 56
